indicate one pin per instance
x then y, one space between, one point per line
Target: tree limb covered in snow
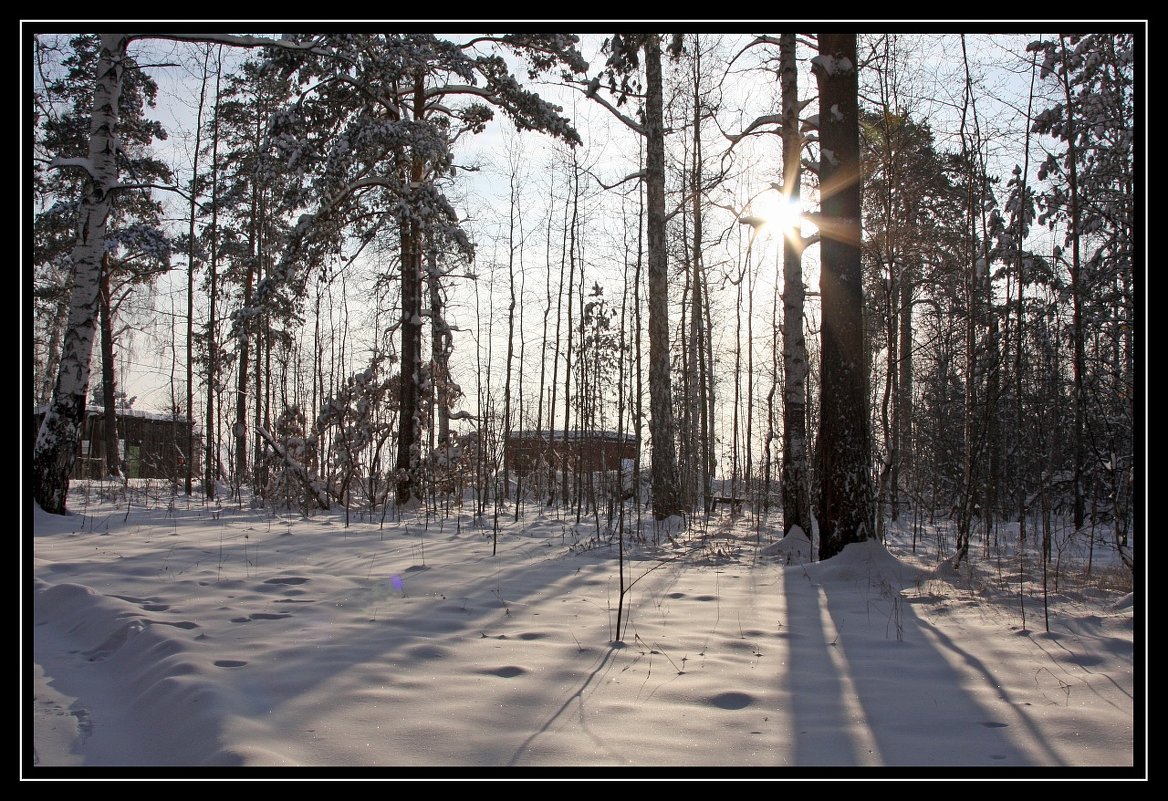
298 471
246 40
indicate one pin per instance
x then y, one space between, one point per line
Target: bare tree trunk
441 345
512 246
891 292
211 457
639 405
56 332
410 432
245 335
768 441
708 424
551 451
796 497
1076 297
747 436
902 468
696 374
571 241
969 413
734 443
666 492
111 456
539 423
845 504
189 477
55 450
410 435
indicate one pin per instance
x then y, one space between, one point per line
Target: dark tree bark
667 499
410 433
1078 364
409 440
846 496
211 456
112 457
188 476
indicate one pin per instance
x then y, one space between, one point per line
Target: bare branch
591 92
758 40
244 40
766 119
639 174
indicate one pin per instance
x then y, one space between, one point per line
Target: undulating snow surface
169 632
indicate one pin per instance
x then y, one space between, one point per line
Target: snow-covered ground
167 632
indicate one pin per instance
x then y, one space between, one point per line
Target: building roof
93 410
590 434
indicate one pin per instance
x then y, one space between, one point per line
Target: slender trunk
511 248
557 457
539 423
695 375
440 349
1078 365
522 356
639 405
239 430
189 477
748 437
734 439
969 411
891 293
111 454
768 442
211 459
56 332
903 467
409 437
796 495
708 425
666 495
566 448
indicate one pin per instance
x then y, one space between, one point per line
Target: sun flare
777 213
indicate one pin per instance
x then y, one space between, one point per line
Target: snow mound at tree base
868 560
793 549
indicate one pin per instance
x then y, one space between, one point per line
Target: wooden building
586 450
152 444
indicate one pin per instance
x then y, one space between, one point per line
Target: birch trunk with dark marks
796 497
54 453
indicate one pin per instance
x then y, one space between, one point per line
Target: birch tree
54 452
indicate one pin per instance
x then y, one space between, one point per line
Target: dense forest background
361 263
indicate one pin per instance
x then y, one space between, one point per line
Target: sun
777 213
